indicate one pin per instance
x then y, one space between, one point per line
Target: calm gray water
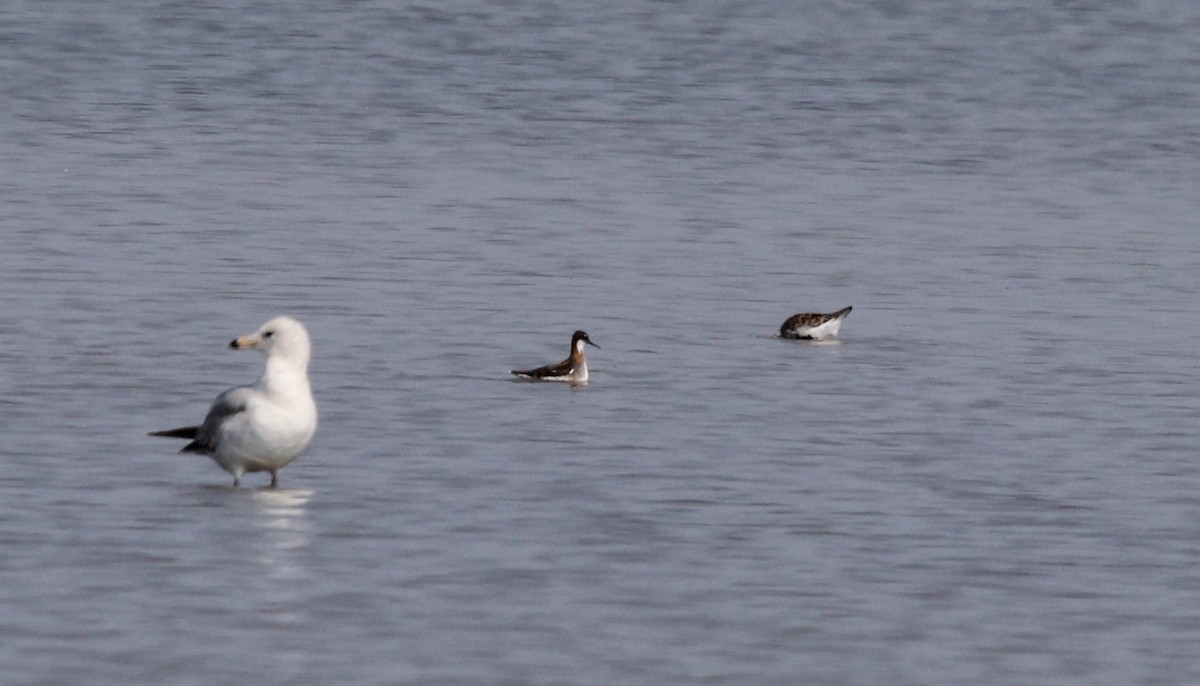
991 478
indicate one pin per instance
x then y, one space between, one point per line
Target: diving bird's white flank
263 427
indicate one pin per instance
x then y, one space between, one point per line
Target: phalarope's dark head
581 336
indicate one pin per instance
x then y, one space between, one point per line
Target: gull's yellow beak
245 341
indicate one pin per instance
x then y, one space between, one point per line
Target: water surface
991 478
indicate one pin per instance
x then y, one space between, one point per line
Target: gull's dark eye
268 334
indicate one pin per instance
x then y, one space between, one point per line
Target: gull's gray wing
228 405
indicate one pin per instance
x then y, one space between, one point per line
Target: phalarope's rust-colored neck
572 370
813 326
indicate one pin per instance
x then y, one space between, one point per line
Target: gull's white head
282 337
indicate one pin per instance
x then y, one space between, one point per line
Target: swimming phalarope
573 369
813 326
260 428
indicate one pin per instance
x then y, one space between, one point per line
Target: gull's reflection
286 534
283 509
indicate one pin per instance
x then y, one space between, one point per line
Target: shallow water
990 477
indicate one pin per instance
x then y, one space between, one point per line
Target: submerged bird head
579 339
281 337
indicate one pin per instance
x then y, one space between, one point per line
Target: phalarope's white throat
573 369
260 428
813 326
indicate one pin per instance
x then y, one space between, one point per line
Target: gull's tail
188 432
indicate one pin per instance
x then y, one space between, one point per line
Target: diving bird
813 326
264 426
572 370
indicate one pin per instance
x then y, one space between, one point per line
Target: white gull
262 427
